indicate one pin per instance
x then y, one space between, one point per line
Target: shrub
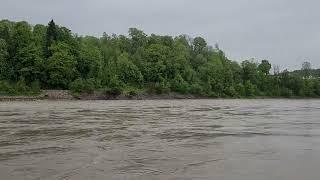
250 89
21 87
231 92
35 87
132 91
285 92
162 87
113 91
82 86
196 89
240 89
6 88
178 84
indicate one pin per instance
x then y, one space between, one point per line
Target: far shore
67 95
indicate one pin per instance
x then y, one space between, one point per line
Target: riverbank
68 95
98 95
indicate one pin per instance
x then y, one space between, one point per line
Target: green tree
24 53
4 55
61 66
138 38
128 72
51 37
34 57
199 44
250 72
250 89
178 84
264 67
29 64
90 61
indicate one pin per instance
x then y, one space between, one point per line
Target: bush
240 89
178 84
35 87
19 88
218 88
250 89
196 89
131 91
231 92
6 88
285 92
113 91
162 87
82 86
213 95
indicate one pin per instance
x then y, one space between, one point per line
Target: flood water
160 139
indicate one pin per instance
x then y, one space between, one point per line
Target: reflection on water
169 139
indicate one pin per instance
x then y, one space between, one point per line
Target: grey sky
286 32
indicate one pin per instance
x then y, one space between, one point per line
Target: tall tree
250 72
22 49
4 55
61 67
51 37
264 67
199 45
119 63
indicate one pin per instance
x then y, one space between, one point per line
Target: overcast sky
286 32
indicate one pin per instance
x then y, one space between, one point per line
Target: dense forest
52 57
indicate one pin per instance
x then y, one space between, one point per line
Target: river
160 139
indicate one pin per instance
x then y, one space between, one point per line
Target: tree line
52 57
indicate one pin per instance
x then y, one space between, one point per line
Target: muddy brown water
160 139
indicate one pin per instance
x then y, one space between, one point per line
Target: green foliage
315 73
264 67
199 44
285 92
132 91
114 86
317 88
83 85
19 88
52 57
250 89
198 61
29 63
250 71
90 59
196 89
232 92
4 64
128 72
161 87
51 37
178 84
35 87
61 66
6 88
240 89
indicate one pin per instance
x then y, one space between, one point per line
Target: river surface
160 139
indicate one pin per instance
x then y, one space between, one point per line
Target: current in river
160 139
